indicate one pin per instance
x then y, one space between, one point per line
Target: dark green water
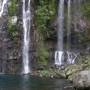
17 82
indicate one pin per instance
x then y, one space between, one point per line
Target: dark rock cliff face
9 48
9 55
3 44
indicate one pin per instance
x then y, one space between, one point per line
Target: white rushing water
3 5
26 32
59 52
58 58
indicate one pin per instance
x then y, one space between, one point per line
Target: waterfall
69 25
77 13
70 56
26 33
3 6
59 52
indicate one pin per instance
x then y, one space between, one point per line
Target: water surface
17 82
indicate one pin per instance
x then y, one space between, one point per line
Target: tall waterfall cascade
26 11
59 53
3 7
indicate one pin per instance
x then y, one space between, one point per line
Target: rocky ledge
82 79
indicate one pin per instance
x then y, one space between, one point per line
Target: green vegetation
45 12
86 9
12 11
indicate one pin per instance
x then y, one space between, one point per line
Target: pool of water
26 82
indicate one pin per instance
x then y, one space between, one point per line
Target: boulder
82 79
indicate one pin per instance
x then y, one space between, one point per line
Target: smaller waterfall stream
59 52
77 13
3 4
26 40
70 55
